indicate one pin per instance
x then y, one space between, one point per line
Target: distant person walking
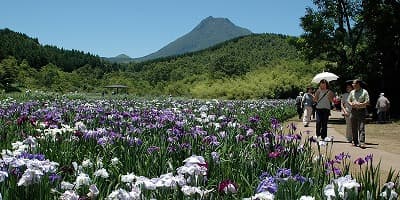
382 108
313 106
346 108
299 105
358 100
307 102
337 101
324 99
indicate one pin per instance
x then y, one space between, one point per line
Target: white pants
307 115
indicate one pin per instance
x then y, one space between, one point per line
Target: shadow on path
388 160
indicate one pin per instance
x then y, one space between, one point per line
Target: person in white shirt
358 100
346 109
382 107
299 106
307 101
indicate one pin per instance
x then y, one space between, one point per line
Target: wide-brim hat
362 83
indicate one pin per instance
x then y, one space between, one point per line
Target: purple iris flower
288 138
152 149
360 161
283 172
103 141
300 178
369 157
275 123
197 130
171 149
211 140
40 157
337 171
138 141
331 163
342 156
254 119
264 175
185 146
54 177
267 184
239 138
172 139
30 156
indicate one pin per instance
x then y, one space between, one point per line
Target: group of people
353 104
306 106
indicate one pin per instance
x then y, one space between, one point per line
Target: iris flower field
120 147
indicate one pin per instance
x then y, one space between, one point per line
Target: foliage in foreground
71 147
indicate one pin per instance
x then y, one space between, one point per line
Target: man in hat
299 104
358 100
382 107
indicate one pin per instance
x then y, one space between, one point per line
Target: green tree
381 19
26 75
228 65
333 31
8 73
49 75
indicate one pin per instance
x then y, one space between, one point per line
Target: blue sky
139 27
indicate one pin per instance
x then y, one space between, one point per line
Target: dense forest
254 66
352 38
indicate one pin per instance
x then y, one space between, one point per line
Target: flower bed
89 148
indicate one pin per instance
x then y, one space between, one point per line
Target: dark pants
382 117
322 122
313 111
299 111
358 125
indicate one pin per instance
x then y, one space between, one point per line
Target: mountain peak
213 23
213 19
210 31
123 56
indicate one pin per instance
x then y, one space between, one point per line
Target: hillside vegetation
254 66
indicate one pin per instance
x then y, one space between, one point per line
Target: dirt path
388 159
